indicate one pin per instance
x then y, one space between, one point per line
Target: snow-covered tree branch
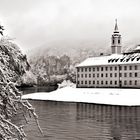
13 65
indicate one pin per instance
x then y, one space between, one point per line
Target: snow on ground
126 97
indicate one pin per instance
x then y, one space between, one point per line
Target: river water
82 121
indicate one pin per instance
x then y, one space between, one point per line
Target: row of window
108 75
108 68
108 82
113 41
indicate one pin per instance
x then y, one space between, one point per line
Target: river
82 121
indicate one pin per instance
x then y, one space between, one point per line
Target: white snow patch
66 83
126 97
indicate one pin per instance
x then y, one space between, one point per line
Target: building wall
116 43
109 76
113 48
118 49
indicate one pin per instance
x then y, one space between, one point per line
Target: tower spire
116 40
116 27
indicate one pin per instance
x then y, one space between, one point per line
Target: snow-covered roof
114 59
138 47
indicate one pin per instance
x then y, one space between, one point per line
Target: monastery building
120 70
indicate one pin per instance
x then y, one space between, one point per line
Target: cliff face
14 64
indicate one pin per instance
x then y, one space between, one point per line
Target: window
127 59
93 82
110 82
125 67
81 75
138 58
85 82
89 82
102 75
97 68
89 75
97 82
93 75
115 82
136 67
111 68
125 74
93 69
115 74
125 82
130 67
106 82
109 60
130 82
89 69
136 74
85 75
110 74
78 82
135 82
102 82
119 41
120 83
77 69
130 74
115 68
78 75
106 75
106 68
113 41
85 69
102 68
98 75
120 67
81 82
120 74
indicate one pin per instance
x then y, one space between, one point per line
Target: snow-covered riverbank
127 97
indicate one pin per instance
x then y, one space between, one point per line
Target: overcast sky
34 22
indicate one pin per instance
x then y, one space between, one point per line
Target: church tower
116 41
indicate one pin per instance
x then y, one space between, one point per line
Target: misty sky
34 22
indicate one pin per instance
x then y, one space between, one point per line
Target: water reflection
27 90
80 121
114 122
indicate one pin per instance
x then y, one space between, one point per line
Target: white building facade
115 70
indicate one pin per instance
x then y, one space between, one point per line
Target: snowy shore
109 96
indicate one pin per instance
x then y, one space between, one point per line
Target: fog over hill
77 49
71 48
